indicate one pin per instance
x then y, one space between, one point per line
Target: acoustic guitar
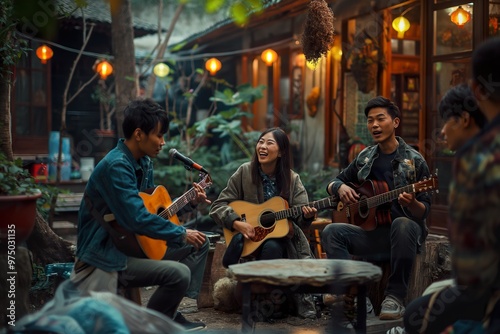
160 203
269 219
370 211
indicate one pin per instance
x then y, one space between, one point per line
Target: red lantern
44 53
104 69
269 56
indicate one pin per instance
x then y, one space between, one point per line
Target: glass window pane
39 121
450 38
22 120
22 86
494 18
39 98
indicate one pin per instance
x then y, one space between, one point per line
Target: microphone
186 161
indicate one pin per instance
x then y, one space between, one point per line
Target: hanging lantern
460 16
104 69
161 70
44 53
401 25
269 56
213 65
336 53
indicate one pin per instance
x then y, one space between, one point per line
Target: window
31 105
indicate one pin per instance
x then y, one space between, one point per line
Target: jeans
171 277
272 249
397 242
195 260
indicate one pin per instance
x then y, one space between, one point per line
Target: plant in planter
364 64
18 196
105 136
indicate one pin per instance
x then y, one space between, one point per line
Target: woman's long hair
283 165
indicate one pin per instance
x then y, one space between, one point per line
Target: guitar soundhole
267 219
363 207
160 210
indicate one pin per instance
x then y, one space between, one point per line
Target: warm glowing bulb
337 53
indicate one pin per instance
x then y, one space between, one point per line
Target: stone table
304 276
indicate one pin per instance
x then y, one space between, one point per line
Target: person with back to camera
471 305
269 174
114 187
392 163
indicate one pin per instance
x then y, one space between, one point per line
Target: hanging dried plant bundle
319 32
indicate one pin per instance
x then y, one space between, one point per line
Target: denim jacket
114 187
408 167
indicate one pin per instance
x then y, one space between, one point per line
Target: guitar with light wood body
160 203
269 219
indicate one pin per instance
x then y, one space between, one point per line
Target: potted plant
364 64
18 196
105 136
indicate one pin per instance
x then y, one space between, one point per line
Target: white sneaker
392 309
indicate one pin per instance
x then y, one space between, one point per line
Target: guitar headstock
205 181
430 184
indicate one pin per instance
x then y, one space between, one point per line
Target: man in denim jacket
114 187
397 164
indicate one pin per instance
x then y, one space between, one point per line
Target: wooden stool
132 294
313 234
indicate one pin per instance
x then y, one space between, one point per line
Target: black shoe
233 251
188 325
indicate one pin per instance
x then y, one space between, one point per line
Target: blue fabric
116 180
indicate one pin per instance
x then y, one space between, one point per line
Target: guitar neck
296 210
389 196
183 200
179 203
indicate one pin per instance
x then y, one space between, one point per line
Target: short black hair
458 100
382 102
485 69
145 114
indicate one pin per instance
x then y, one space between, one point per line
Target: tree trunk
47 247
5 115
122 34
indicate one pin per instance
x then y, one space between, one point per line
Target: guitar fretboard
182 201
389 196
296 210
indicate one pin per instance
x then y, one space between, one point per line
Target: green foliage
11 46
14 180
217 142
316 182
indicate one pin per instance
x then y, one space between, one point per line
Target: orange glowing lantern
104 69
213 65
460 16
44 53
269 56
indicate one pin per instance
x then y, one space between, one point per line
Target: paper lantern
44 53
213 65
161 70
401 25
104 69
269 56
460 16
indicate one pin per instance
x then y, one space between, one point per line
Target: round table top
315 272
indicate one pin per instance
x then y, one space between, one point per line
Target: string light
213 65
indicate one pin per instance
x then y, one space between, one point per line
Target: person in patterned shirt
474 217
